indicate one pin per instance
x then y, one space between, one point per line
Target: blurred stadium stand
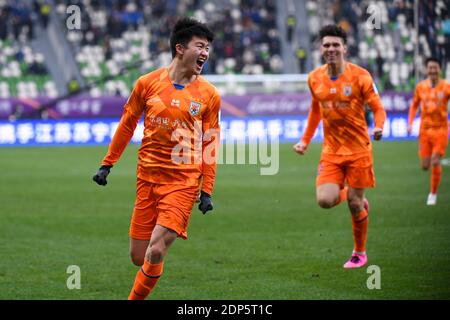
120 40
22 69
67 86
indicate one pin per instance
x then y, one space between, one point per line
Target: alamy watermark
73 21
195 147
74 280
374 20
374 280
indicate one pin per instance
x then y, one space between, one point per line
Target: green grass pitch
265 239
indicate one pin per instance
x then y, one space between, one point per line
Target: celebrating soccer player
180 109
339 92
434 94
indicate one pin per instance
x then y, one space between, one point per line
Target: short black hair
432 59
333 30
185 29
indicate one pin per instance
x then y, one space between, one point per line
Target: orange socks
360 225
145 281
436 174
342 195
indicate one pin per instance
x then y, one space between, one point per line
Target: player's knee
425 164
355 205
326 203
435 161
156 253
137 258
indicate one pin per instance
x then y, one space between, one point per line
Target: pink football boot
356 261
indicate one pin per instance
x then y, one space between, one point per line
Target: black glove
100 176
205 202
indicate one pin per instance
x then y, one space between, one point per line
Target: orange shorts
432 141
355 170
165 204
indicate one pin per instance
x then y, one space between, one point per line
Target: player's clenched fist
205 202
377 133
300 147
100 176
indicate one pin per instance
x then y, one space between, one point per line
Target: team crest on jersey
347 91
440 95
194 108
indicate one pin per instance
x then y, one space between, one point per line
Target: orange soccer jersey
175 123
340 104
433 137
433 111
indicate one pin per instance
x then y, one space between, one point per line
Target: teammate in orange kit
180 110
339 92
434 94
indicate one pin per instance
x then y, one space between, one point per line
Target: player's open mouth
200 62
